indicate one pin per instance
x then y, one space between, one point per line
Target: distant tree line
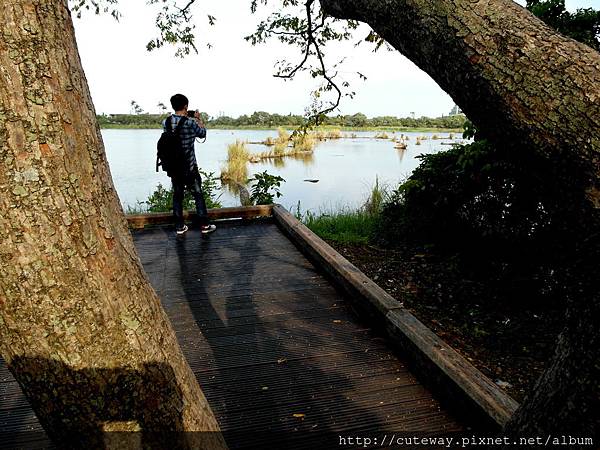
267 120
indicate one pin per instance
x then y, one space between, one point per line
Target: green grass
377 197
345 226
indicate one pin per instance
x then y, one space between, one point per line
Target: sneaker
208 229
181 230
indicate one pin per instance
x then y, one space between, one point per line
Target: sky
233 77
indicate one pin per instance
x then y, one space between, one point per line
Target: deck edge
450 376
139 221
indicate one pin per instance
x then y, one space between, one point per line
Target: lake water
346 168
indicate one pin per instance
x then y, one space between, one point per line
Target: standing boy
189 177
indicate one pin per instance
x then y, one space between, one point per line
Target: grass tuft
237 163
237 151
347 225
303 142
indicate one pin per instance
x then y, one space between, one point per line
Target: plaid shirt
189 132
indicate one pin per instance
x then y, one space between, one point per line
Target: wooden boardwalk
277 350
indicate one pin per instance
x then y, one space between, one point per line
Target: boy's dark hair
179 101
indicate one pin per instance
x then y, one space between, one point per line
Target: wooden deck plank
469 392
267 337
272 338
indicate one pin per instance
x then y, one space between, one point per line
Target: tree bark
81 328
528 87
519 81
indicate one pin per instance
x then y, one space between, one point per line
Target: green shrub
265 188
477 197
516 219
161 200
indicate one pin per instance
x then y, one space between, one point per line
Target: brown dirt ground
509 343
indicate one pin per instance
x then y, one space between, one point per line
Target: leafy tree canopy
583 25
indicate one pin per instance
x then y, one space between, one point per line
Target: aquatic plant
237 163
237 151
303 142
334 134
283 136
376 198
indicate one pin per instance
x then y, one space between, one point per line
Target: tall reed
237 163
238 151
303 142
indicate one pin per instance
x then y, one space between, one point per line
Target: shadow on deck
274 346
277 349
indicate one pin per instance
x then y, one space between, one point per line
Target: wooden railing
455 380
138 221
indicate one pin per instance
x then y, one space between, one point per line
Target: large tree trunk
528 87
518 80
80 327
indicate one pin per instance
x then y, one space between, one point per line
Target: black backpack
169 151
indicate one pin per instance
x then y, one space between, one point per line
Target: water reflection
234 177
307 158
276 162
346 167
401 152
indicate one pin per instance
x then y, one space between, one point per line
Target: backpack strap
169 124
180 124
